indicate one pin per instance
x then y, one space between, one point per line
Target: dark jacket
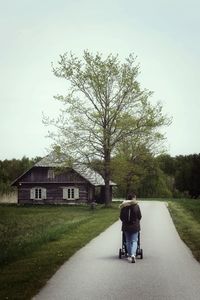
134 210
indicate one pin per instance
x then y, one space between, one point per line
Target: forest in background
12 169
145 175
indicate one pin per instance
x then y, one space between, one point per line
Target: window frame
70 193
38 193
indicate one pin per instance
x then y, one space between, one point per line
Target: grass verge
186 217
36 241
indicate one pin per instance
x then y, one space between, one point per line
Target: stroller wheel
120 253
139 253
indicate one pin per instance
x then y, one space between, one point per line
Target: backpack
128 215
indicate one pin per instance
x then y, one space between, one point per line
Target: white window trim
35 190
68 191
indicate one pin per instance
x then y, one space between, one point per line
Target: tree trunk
107 194
128 184
127 189
107 180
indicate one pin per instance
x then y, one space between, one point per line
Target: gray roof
52 161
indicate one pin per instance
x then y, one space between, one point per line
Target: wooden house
44 184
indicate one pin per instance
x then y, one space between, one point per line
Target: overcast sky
165 36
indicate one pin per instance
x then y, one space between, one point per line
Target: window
51 174
70 193
38 193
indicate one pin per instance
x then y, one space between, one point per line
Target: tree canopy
105 106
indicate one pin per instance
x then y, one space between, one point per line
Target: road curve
168 270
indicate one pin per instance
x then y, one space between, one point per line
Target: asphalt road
168 270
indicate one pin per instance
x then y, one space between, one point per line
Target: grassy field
186 217
35 241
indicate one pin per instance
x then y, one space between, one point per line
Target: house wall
37 177
54 193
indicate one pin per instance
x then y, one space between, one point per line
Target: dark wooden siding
40 174
54 193
38 177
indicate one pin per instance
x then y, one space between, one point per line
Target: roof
54 161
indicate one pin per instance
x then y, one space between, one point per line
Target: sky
164 35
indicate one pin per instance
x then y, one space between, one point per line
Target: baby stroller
123 250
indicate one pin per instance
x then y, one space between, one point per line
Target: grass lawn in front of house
36 240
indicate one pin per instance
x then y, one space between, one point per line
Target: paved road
168 270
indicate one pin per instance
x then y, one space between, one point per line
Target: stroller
123 250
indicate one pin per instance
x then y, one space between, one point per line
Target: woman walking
130 215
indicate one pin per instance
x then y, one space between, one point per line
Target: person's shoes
129 258
133 259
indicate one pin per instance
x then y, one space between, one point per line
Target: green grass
186 217
36 241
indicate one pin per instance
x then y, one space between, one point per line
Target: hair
131 196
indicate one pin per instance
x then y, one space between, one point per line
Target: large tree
104 105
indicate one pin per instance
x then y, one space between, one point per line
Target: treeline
147 176
184 172
161 176
11 169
